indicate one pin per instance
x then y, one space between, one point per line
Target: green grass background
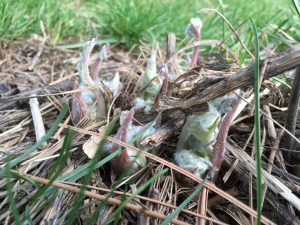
130 21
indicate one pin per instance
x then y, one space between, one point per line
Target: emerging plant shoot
93 104
151 84
194 150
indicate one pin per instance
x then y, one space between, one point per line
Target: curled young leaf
191 162
131 134
199 135
103 55
150 86
151 81
114 85
200 131
93 104
194 28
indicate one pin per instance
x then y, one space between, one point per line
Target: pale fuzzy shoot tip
151 84
93 104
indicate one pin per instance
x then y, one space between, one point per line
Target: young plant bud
129 160
93 104
150 86
199 135
194 30
191 162
164 73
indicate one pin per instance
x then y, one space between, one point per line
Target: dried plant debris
182 111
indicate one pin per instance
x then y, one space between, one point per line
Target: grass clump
131 21
18 20
62 20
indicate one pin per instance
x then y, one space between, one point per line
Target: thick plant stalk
128 160
291 120
219 147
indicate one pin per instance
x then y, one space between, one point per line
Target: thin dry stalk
291 121
38 123
274 144
113 201
202 205
207 184
154 200
273 183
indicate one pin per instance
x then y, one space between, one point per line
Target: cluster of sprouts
194 151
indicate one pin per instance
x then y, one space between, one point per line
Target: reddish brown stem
165 76
219 147
78 107
96 69
196 52
121 161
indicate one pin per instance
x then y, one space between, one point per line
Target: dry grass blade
208 185
273 183
113 201
148 200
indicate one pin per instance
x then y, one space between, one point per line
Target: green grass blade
27 216
223 23
82 171
49 134
282 82
80 196
257 126
169 219
297 6
73 176
94 216
11 201
80 45
117 212
58 166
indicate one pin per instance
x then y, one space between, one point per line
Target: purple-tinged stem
121 161
96 69
100 104
195 56
79 107
219 146
102 56
86 54
165 77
